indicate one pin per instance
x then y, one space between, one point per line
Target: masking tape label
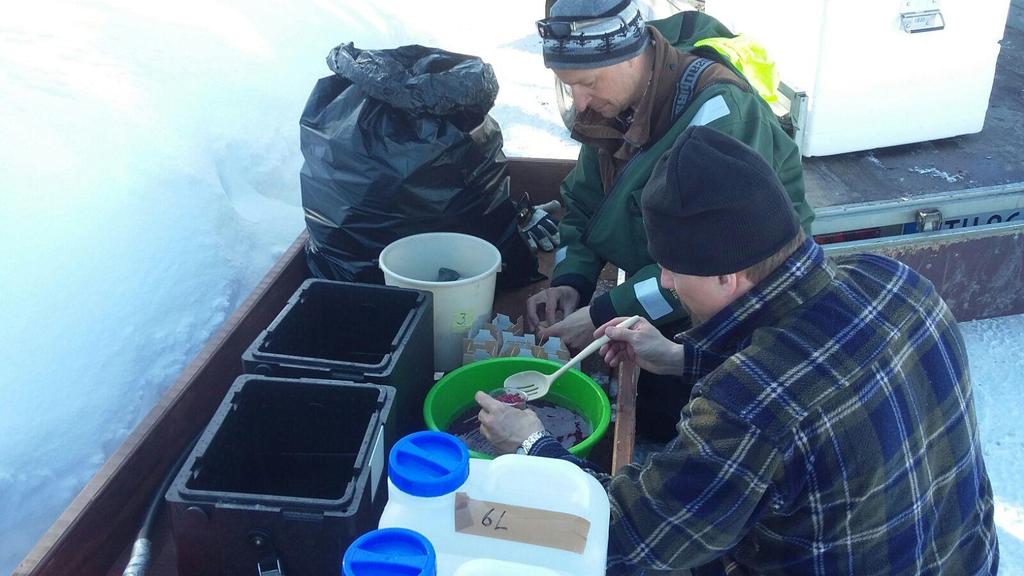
520 524
462 321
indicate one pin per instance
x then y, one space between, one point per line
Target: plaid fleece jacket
831 430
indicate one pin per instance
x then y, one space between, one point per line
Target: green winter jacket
600 227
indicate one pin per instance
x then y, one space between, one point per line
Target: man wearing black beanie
744 221
830 428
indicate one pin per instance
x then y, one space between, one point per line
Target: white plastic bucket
414 261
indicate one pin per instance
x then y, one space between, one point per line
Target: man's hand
576 329
504 426
563 299
643 344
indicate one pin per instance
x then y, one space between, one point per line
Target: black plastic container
356 333
287 471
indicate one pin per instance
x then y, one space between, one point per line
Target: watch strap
532 439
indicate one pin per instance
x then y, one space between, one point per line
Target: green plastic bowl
574 390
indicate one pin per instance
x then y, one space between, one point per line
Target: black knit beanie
713 206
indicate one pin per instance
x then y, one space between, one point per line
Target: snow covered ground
150 177
995 350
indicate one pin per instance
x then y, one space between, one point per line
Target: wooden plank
539 177
625 415
90 534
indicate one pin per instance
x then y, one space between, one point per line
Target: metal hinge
929 220
921 16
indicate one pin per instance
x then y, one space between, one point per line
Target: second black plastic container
357 333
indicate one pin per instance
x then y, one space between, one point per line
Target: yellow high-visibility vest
752 60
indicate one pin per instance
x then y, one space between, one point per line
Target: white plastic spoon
535 385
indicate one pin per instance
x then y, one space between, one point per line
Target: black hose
138 563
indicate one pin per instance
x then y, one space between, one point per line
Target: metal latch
273 567
921 16
929 220
795 113
268 564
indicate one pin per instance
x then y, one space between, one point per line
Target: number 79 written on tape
521 524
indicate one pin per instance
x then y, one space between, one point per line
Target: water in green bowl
567 426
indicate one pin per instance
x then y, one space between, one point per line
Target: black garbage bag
399 142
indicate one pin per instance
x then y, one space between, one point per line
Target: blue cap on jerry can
390 552
428 464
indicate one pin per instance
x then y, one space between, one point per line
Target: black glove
536 224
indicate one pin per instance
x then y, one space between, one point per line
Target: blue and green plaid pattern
831 430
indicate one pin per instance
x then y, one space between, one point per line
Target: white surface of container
414 261
488 567
404 552
878 72
531 489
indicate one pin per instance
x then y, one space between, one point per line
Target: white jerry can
404 552
878 72
515 515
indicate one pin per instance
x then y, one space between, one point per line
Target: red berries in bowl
511 396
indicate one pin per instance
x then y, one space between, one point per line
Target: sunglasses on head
560 27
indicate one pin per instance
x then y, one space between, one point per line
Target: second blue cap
390 552
428 464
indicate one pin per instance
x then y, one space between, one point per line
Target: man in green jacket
634 93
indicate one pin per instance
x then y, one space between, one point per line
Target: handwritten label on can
521 524
461 321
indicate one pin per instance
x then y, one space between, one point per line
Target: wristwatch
524 448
